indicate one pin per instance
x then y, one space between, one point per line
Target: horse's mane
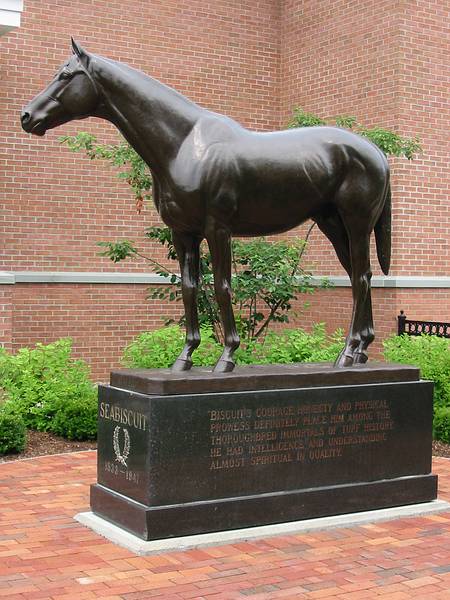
133 77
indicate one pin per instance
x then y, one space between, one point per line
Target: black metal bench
414 327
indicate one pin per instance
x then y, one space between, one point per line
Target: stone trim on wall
391 281
10 13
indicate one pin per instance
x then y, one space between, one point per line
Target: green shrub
76 418
154 349
209 351
160 348
12 430
40 382
388 141
441 424
431 354
297 345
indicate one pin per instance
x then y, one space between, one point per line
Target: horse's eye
65 75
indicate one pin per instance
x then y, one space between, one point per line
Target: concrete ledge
137 546
13 277
7 278
392 281
10 12
86 277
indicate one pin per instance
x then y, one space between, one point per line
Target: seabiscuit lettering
227 415
124 416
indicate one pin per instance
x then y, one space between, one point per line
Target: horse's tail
383 232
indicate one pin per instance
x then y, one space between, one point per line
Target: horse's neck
153 118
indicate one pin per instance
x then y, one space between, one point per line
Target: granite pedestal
183 454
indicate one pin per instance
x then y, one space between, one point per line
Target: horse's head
72 94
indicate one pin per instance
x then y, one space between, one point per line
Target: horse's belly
273 198
264 215
264 222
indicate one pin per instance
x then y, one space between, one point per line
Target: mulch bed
41 443
441 449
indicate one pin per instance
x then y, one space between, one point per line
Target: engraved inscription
114 469
124 416
294 433
125 423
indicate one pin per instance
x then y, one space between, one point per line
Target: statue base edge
201 380
160 522
140 547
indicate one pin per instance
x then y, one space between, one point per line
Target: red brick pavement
45 554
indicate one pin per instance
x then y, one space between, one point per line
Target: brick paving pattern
45 554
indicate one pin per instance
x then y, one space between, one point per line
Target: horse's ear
78 50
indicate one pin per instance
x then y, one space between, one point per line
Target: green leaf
391 143
117 251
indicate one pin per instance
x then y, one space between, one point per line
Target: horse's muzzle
30 125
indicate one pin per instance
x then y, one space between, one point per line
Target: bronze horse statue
213 179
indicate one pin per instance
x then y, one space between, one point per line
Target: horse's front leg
188 252
219 242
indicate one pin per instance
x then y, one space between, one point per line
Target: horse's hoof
344 360
180 365
223 366
360 358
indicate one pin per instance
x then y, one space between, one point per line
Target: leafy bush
154 349
441 424
301 346
388 141
209 350
76 418
293 345
431 354
12 430
267 278
159 349
46 380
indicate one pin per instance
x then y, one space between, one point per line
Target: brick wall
253 60
101 319
423 216
57 205
222 54
6 321
334 306
339 58
383 63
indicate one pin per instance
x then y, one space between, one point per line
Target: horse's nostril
25 117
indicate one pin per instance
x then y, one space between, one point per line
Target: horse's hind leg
188 252
219 242
333 227
361 333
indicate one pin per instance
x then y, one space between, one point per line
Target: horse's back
314 142
263 183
